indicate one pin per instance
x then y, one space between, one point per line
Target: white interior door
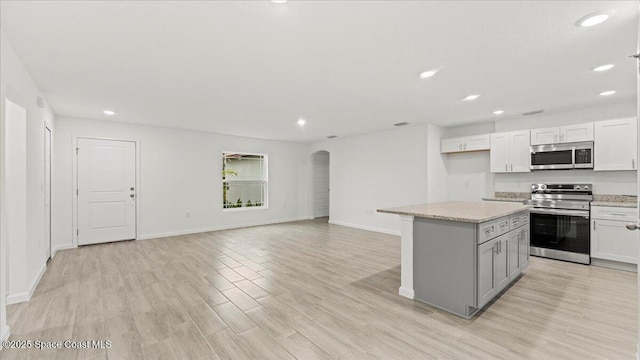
321 184
47 192
106 190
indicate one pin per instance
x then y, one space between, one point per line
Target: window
244 180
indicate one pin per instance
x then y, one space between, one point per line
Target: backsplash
615 198
512 195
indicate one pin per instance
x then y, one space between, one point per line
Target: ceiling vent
401 124
533 112
332 136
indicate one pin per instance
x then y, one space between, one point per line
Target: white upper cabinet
576 133
562 134
499 153
510 152
615 145
467 143
545 136
519 151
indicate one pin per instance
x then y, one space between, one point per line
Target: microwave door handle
573 157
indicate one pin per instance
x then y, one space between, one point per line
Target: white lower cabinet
610 239
501 259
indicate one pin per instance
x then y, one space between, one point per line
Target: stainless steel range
560 221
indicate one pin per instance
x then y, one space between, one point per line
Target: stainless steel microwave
562 156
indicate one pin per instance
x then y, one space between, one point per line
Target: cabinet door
477 143
514 254
545 136
523 249
611 240
499 153
575 133
451 145
519 151
486 271
615 145
502 263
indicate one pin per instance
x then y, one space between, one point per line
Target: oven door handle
561 212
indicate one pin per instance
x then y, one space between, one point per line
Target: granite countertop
508 199
463 211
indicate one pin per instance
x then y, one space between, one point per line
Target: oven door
561 234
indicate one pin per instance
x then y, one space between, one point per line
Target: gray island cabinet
458 256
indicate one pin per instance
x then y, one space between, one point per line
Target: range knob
534 186
578 187
543 186
586 187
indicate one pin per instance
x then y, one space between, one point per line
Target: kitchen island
458 255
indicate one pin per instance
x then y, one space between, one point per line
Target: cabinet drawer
502 225
517 220
487 231
614 213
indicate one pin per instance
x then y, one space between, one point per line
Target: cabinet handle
511 167
505 168
464 147
633 163
594 225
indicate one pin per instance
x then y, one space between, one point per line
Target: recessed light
593 19
471 97
499 112
279 1
301 122
603 67
607 93
109 112
428 74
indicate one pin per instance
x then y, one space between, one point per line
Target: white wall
17 85
379 170
180 173
437 182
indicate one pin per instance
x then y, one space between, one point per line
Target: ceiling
252 68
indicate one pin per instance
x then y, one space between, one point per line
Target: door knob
132 188
132 195
633 226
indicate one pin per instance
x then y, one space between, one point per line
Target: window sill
246 208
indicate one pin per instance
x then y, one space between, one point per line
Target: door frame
74 155
48 128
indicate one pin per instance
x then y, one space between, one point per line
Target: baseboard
218 228
614 265
4 335
364 227
26 296
61 247
408 293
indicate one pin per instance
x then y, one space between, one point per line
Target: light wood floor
308 290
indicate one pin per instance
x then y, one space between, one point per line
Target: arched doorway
321 184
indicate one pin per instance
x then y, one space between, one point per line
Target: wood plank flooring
308 290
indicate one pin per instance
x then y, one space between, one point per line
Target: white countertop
463 211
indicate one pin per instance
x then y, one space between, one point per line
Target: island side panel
444 263
406 256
